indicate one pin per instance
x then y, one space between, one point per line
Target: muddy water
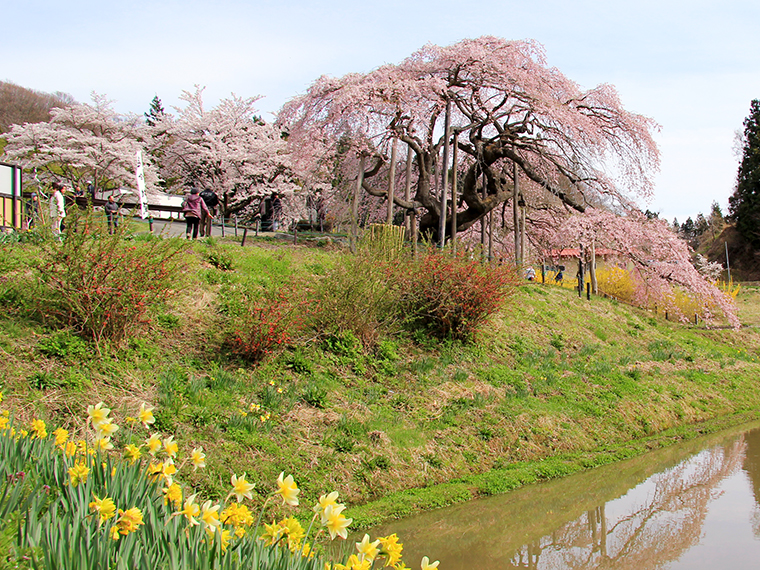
694 506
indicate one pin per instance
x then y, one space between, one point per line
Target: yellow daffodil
224 537
368 550
427 565
294 532
145 415
78 473
210 515
170 447
106 428
168 469
103 444
132 453
190 511
391 549
105 508
354 563
272 533
39 428
69 448
61 436
4 421
198 458
173 494
324 502
155 470
1 396
241 488
153 443
114 532
336 523
129 520
237 515
287 489
97 414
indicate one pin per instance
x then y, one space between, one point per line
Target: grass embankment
554 384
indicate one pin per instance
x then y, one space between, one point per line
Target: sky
693 66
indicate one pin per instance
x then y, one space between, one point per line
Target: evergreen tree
744 204
155 113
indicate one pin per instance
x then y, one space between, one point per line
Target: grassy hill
399 422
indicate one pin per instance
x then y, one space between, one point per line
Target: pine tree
744 204
155 113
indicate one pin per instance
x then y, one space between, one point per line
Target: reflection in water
641 514
752 467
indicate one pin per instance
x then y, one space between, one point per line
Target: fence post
245 234
588 291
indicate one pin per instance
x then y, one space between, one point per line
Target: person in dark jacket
193 207
276 211
212 201
112 214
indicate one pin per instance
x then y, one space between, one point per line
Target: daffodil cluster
94 470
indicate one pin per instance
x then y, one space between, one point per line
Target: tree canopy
516 119
744 203
228 149
83 143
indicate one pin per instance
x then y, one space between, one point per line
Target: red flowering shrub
452 296
266 324
101 285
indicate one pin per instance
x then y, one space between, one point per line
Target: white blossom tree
82 144
228 149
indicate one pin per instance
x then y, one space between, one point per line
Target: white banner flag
141 186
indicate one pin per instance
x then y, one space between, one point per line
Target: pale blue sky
693 66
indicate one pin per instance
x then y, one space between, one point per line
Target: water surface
693 506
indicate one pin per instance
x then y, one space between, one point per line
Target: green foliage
220 258
101 286
358 295
64 345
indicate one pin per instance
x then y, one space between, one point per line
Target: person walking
57 208
32 210
112 213
276 211
193 207
212 201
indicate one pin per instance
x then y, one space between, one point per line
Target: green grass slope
554 384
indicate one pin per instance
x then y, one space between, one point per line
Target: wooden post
258 225
245 234
523 208
588 291
236 225
392 183
592 269
483 218
295 233
222 225
445 181
454 181
515 216
355 206
490 235
408 192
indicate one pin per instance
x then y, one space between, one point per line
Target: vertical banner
141 186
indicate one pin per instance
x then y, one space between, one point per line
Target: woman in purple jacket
193 207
